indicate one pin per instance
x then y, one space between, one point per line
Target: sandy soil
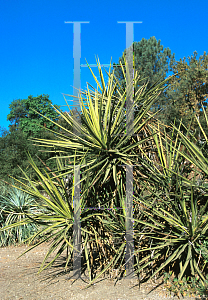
19 280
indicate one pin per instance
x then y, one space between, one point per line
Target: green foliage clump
23 114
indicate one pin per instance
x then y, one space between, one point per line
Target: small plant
14 205
183 287
187 286
203 250
202 288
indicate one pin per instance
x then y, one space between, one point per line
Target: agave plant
14 205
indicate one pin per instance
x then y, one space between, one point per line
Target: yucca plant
54 213
100 150
103 144
194 152
176 206
179 223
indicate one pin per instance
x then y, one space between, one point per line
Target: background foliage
15 143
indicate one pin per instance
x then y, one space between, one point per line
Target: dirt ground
19 280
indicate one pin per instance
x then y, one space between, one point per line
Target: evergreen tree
152 63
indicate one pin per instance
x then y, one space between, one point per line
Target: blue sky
36 53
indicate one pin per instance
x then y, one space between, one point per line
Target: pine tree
152 62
